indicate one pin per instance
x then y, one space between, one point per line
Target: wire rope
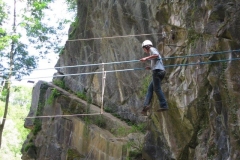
55 116
91 114
202 55
78 74
200 63
74 115
131 69
132 61
112 37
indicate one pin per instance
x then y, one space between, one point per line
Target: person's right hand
143 59
148 68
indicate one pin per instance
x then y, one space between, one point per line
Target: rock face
62 130
199 41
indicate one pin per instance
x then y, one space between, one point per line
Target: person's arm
154 56
148 68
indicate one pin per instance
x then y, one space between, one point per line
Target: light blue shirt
157 62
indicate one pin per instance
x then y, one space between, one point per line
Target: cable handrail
200 63
131 69
131 61
205 54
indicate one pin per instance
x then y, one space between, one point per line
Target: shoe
144 111
162 109
146 108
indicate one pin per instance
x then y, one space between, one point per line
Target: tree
15 133
42 35
16 61
4 39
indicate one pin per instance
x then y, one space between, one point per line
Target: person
158 73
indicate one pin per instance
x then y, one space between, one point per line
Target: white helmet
147 43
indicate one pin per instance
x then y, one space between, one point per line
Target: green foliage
117 115
4 37
37 126
120 131
59 83
43 36
54 94
3 95
62 51
135 148
136 145
13 51
134 154
231 100
40 5
23 62
72 5
73 27
14 131
141 127
83 96
29 145
136 127
38 33
38 122
100 121
1 108
145 82
193 36
73 154
87 119
3 13
108 109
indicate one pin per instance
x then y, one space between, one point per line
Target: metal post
103 85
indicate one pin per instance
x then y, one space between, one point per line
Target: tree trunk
5 113
8 84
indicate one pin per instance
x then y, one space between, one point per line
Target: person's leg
157 88
149 95
148 99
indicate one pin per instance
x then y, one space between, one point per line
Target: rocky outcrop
62 128
200 43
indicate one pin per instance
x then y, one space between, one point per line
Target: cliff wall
199 41
66 127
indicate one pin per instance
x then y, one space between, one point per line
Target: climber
158 73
